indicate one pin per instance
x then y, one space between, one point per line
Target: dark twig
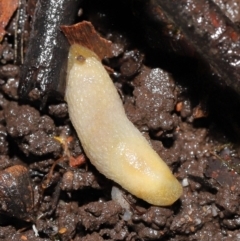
44 70
214 36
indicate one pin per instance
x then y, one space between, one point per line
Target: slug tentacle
111 142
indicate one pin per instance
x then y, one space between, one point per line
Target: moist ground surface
189 120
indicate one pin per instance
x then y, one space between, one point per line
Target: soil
190 121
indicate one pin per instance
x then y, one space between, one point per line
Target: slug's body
111 142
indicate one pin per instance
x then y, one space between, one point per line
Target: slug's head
78 53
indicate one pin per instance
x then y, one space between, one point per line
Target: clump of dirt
154 100
173 108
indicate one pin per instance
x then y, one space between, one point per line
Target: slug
112 143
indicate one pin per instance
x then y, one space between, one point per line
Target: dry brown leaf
7 8
84 33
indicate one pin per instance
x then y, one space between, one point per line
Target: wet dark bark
214 36
44 70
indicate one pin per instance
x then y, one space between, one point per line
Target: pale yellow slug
112 143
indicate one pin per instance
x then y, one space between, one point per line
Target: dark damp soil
190 121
